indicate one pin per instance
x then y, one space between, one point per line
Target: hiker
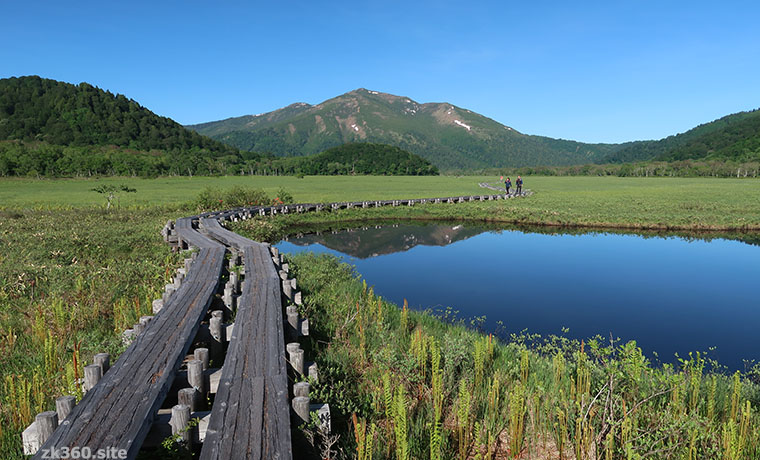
508 184
519 186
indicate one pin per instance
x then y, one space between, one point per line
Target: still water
670 294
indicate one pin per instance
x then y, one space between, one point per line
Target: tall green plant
400 424
463 418
517 410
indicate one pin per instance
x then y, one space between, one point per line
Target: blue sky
593 71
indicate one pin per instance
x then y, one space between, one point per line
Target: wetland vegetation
74 275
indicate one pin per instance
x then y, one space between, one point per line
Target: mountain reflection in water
372 241
670 293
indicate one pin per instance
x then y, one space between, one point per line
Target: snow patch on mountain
463 125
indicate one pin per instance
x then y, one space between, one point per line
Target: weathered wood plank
120 409
250 418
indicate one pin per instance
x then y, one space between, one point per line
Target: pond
671 294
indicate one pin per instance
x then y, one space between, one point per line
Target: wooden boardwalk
251 414
119 411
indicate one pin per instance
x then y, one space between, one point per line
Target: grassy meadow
74 275
591 201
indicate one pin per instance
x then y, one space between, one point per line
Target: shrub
212 198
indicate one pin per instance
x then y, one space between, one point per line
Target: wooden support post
64 406
216 329
158 304
92 375
138 328
287 289
188 397
301 408
323 414
301 389
296 360
303 327
103 360
128 336
168 292
228 299
297 298
201 354
235 281
295 357
314 372
180 419
292 315
197 380
46 422
195 376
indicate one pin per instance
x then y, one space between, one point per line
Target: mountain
448 136
733 137
56 128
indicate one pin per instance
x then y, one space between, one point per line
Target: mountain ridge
449 136
731 137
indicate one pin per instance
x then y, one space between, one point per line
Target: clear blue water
671 295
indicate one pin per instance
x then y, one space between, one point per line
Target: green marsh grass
590 201
553 399
72 280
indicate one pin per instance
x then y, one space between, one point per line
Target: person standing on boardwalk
518 182
508 184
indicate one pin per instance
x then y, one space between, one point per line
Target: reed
695 367
711 398
524 366
362 336
482 354
436 383
463 418
558 366
400 424
364 440
517 409
404 326
736 390
50 354
419 350
609 445
560 432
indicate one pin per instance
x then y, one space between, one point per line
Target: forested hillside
57 128
735 137
351 159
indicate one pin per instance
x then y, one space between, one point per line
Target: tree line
686 168
41 159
